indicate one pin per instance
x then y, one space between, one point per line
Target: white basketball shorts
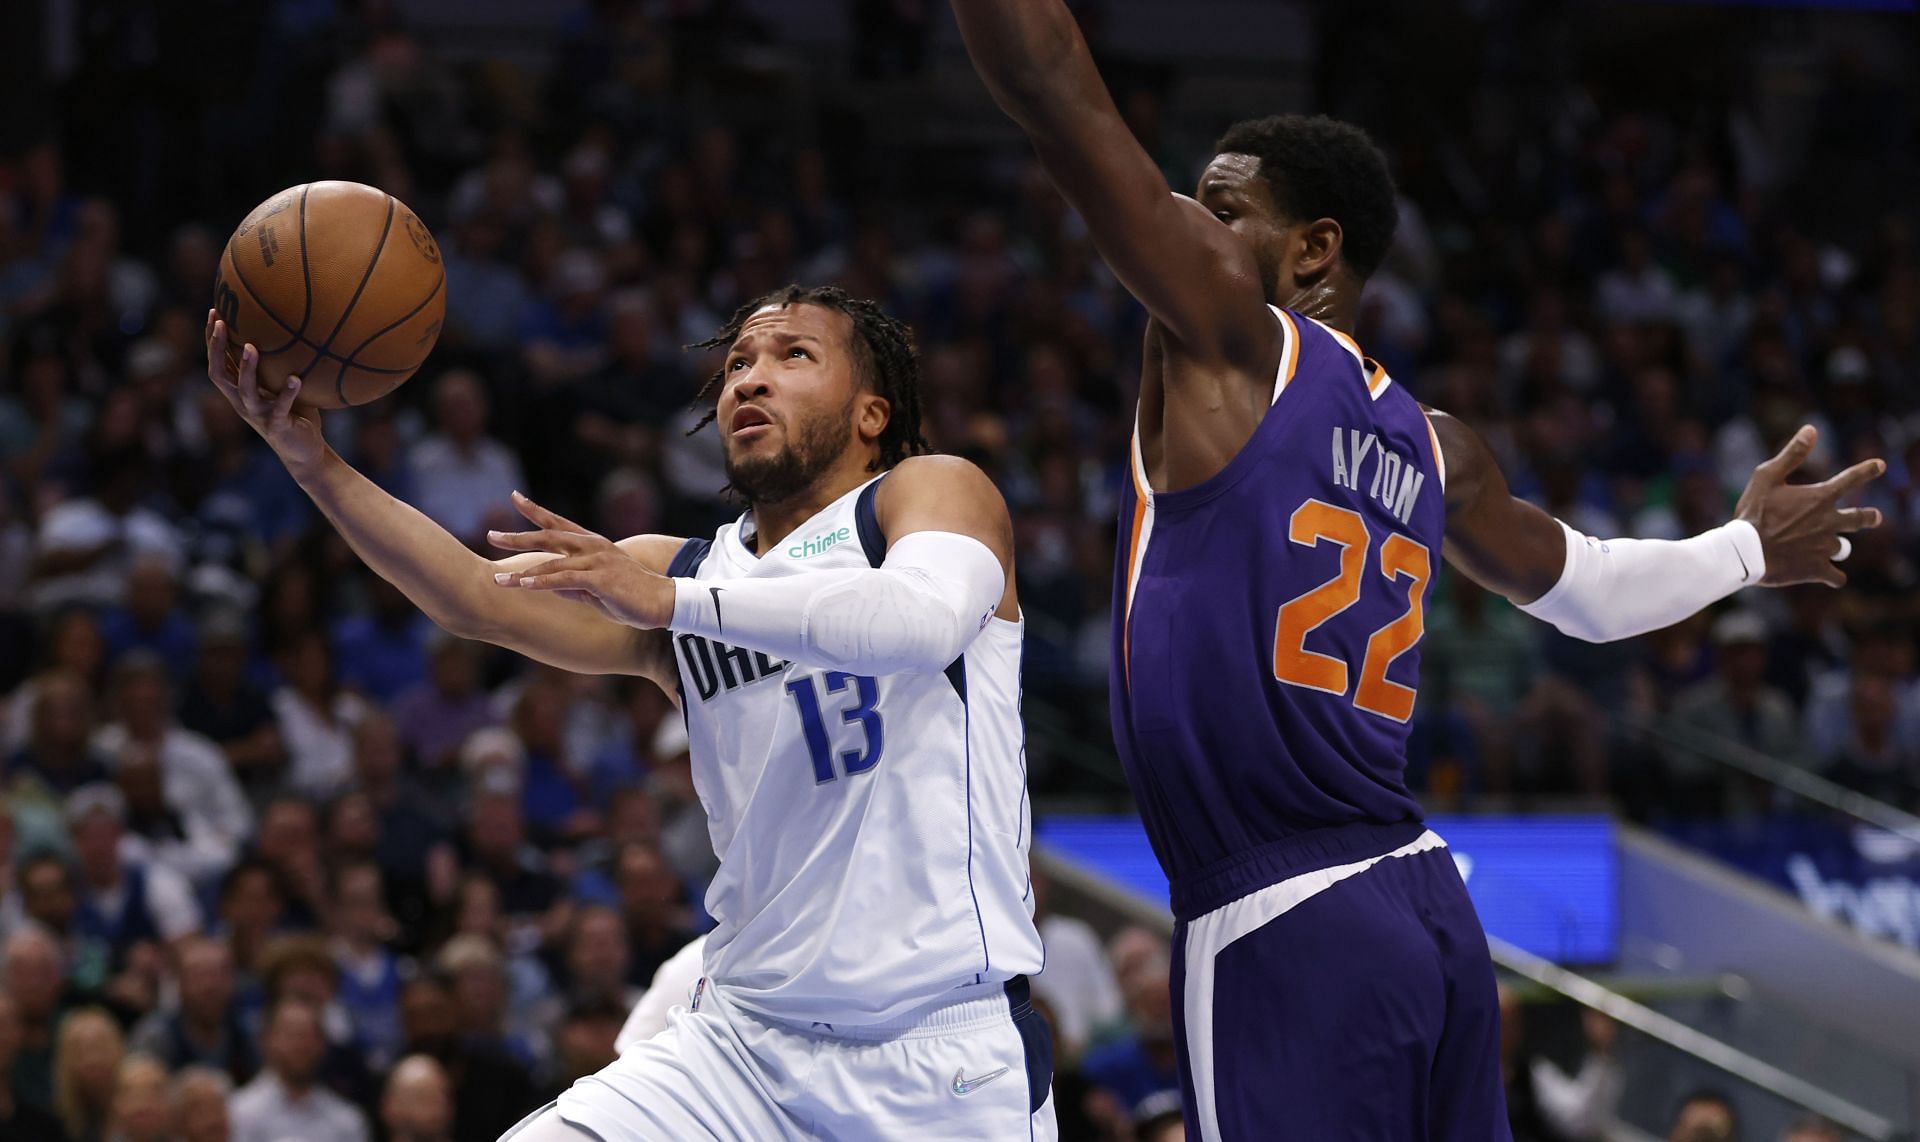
976 1067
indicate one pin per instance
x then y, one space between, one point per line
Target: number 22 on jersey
1400 558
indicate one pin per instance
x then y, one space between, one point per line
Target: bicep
1501 542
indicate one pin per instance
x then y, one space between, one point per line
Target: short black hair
1716 1097
884 360
1318 167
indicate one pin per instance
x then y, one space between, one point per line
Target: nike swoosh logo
962 1085
1744 573
719 626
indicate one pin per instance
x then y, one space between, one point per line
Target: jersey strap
687 560
867 522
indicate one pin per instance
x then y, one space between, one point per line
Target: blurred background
1639 245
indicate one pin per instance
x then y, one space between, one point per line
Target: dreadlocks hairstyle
1318 167
884 361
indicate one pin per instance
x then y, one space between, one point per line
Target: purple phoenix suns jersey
1266 641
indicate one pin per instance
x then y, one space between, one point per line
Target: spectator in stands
477 971
463 478
1878 761
19 1117
490 1092
199 1098
597 957
1077 981
1544 1103
653 909
71 646
383 653
222 705
151 619
50 901
1814 1130
438 714
1705 1116
1140 1063
1735 705
370 973
87 546
204 1027
1159 1119
39 990
252 907
86 1063
418 1103
214 817
495 847
139 1110
584 1043
316 718
289 842
288 1099
123 902
58 756
300 967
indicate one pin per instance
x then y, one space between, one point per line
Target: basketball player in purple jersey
1285 521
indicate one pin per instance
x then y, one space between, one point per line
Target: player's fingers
1857 519
249 381
576 580
1789 458
542 517
283 404
541 539
1855 478
519 577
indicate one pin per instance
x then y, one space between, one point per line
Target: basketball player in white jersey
847 657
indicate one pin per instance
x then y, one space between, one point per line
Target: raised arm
1601 590
1192 273
439 574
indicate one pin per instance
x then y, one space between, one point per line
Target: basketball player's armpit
914 614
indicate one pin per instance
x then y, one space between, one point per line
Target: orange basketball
336 283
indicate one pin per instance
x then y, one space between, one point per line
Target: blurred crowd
272 834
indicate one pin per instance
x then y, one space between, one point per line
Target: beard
813 446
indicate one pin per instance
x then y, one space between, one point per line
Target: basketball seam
296 336
241 276
320 351
306 269
347 362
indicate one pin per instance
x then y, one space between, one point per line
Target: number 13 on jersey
1400 558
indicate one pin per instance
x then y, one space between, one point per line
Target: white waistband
963 1009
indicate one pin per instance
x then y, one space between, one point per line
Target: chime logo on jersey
820 544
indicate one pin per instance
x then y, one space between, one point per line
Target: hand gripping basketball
1803 529
292 433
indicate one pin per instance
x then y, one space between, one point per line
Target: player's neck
773 521
1328 302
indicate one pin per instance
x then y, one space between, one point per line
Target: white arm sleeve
1617 588
914 614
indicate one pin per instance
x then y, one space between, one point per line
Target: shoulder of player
936 474
954 490
1468 460
654 551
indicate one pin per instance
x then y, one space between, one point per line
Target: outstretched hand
1802 527
293 433
587 567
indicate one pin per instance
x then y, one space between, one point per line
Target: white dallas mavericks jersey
872 831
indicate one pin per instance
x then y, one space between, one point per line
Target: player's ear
871 413
1317 249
